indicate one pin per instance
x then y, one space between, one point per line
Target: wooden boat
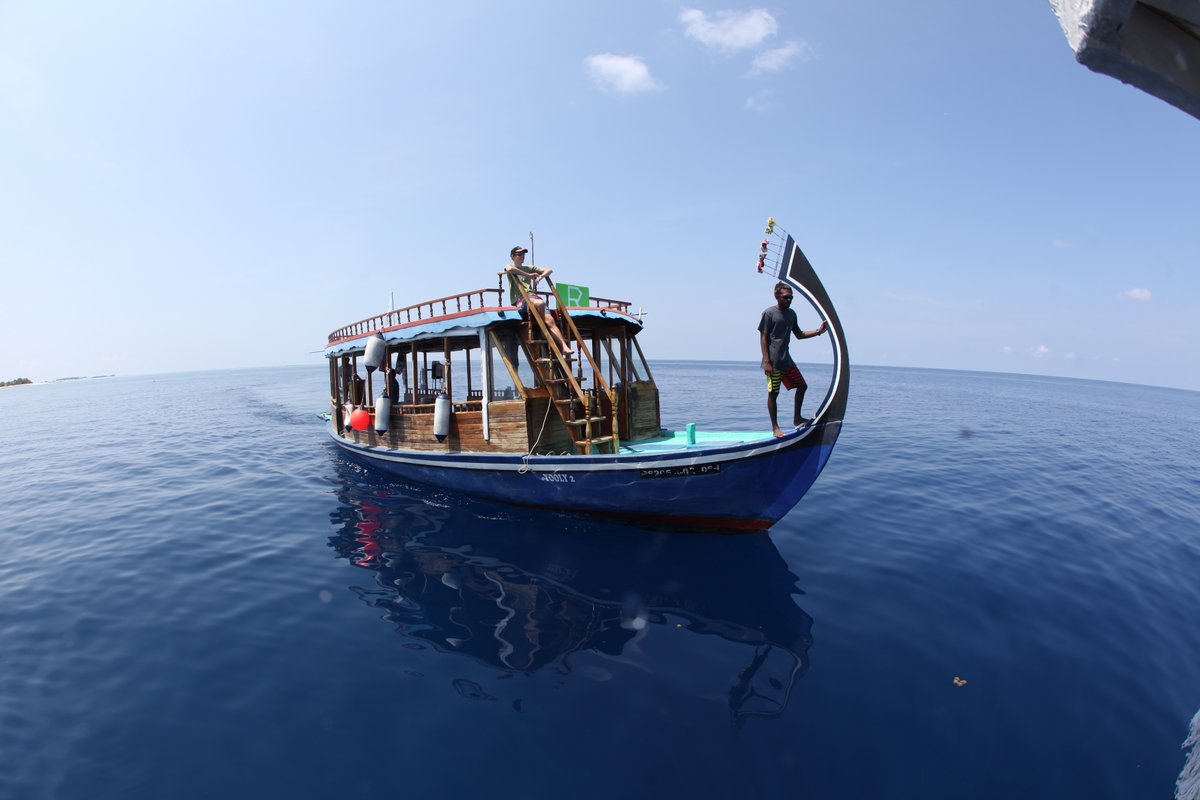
465 393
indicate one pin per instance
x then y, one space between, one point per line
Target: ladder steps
555 370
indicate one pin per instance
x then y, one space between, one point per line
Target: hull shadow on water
521 591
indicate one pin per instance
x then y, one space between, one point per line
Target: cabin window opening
504 387
617 364
356 383
335 393
641 357
397 375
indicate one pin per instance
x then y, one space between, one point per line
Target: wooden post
485 366
334 393
415 378
467 353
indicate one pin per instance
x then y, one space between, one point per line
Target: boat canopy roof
462 315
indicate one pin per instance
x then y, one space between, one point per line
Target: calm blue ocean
201 598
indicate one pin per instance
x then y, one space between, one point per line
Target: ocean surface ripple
991 592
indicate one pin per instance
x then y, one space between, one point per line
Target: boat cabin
470 373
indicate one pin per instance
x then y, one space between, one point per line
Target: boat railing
444 306
456 406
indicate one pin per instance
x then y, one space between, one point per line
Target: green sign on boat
569 295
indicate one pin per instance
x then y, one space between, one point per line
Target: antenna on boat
532 255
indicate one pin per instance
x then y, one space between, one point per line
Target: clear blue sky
220 184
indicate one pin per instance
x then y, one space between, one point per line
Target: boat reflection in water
521 591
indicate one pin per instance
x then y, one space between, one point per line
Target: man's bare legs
773 411
538 306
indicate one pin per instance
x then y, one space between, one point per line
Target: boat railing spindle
420 311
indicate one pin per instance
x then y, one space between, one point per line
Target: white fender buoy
376 349
441 417
347 410
383 412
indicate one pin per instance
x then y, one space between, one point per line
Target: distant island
26 381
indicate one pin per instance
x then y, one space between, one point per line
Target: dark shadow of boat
522 591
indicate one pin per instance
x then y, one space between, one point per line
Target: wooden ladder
592 431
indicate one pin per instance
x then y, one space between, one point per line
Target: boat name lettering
555 477
681 472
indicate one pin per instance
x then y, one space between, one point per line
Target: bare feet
802 421
777 433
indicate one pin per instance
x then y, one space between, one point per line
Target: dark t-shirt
779 325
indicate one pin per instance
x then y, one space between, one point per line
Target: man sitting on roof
517 271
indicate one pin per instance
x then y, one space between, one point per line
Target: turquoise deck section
678 441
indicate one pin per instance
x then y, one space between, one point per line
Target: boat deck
677 441
673 441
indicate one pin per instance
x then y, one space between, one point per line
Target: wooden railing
454 304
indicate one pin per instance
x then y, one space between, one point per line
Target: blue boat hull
744 487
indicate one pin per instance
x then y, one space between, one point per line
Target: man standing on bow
775 331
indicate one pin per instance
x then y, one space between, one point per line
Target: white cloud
729 31
1041 351
1006 349
620 74
1134 294
761 101
782 57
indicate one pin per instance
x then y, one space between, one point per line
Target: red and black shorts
790 377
